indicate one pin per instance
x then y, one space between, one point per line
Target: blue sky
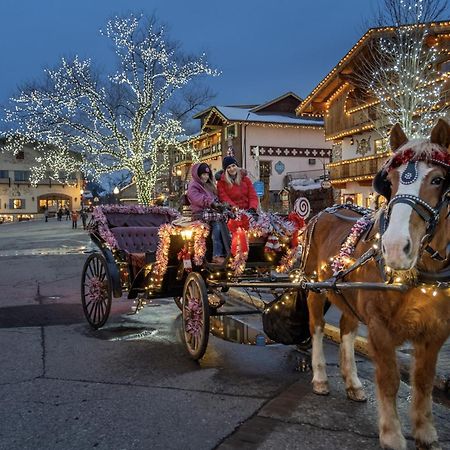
264 48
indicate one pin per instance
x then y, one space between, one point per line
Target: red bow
238 228
299 223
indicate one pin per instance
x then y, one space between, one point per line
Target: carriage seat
139 244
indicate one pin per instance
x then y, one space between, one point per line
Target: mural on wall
363 146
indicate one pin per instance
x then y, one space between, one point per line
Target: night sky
264 48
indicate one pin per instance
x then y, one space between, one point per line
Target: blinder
381 185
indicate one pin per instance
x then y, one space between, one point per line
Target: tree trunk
144 188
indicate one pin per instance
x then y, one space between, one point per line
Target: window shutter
11 203
23 204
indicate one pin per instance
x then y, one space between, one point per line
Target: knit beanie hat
227 161
203 168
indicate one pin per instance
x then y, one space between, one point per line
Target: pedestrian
84 216
74 219
59 214
46 213
67 212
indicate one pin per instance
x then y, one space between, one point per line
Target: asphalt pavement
131 385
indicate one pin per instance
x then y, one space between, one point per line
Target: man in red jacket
235 187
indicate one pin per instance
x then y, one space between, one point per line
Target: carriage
154 252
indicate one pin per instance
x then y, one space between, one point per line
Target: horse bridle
429 214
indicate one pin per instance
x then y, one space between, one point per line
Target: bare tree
398 71
127 120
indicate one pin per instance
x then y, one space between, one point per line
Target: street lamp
116 193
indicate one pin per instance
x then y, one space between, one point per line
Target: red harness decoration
436 156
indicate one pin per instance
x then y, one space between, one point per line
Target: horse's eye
437 181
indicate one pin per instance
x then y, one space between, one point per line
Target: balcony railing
356 169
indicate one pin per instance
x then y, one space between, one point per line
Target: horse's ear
440 134
397 138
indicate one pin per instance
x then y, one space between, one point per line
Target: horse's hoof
431 446
320 387
356 394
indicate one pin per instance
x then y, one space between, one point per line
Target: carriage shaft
321 285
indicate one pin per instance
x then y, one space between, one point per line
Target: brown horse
415 233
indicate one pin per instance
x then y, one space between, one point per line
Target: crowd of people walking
73 215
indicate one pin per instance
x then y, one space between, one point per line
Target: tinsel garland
348 247
275 228
239 244
200 232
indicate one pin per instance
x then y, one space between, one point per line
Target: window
231 131
22 175
20 155
312 161
16 203
381 145
4 173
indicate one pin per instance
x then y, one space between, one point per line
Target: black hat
203 168
227 161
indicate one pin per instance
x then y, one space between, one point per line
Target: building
268 140
358 150
19 200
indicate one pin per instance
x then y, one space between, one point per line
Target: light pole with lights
116 193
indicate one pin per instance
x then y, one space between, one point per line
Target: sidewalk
404 353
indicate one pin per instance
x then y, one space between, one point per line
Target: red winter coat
241 195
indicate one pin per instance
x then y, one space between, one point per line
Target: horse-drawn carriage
152 252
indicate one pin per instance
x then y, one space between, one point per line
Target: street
131 384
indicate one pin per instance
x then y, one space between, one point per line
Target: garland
200 232
239 244
343 259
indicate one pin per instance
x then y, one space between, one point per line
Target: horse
405 244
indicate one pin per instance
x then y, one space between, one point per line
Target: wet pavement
131 385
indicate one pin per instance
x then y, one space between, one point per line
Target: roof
246 115
332 80
280 110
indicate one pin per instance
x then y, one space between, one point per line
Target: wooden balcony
359 169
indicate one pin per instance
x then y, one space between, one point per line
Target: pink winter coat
241 195
199 196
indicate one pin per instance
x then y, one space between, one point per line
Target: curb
332 333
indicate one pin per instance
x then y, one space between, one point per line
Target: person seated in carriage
202 195
235 187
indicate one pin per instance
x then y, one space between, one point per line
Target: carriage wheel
195 315
96 295
179 302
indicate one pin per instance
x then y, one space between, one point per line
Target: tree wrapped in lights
400 69
129 120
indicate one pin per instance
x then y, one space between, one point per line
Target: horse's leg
353 385
387 383
423 372
316 304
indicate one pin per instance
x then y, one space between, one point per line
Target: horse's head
414 180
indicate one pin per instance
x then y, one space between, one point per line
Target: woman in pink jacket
202 195
235 187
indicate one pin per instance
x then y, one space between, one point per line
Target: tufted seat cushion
136 239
